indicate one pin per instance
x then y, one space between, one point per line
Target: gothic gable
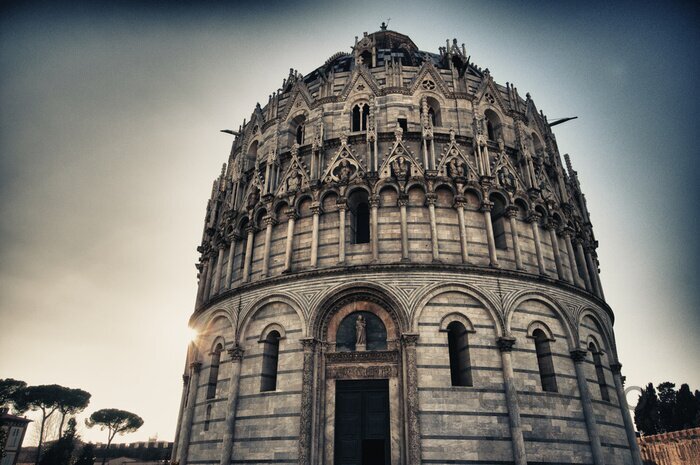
344 167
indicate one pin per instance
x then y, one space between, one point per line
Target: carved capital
511 211
250 229
549 225
342 203
616 368
374 201
460 201
269 221
196 366
316 209
291 214
534 217
566 231
308 343
236 353
486 206
578 355
185 379
431 199
505 343
403 200
410 339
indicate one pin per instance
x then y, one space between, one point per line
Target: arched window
359 217
207 419
545 362
498 222
252 155
300 134
214 371
433 111
493 125
268 377
600 373
360 112
460 363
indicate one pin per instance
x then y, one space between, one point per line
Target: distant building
676 448
14 428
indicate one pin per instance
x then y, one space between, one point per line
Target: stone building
397 268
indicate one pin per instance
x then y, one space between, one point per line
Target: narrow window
489 130
498 223
358 205
207 419
403 124
268 377
214 371
600 374
545 362
356 118
300 134
362 224
460 364
365 115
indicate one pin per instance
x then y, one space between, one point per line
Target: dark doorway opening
362 422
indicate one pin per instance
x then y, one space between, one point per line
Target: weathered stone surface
451 162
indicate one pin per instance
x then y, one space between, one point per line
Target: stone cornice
399 268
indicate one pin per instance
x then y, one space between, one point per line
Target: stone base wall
457 424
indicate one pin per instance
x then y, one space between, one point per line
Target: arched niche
347 339
341 325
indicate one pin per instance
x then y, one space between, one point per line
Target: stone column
269 223
316 211
307 407
592 271
207 282
291 219
579 357
186 427
534 219
626 417
431 199
217 270
566 232
229 265
403 202
511 213
236 354
581 258
549 226
486 208
505 345
342 208
464 242
248 253
176 440
413 427
202 283
374 226
596 274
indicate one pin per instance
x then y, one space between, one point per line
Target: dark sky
109 120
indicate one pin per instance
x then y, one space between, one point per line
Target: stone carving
360 330
253 198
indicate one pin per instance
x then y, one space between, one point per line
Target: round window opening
368 333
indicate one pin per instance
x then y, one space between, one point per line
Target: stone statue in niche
293 182
345 171
253 198
399 167
360 333
506 179
455 169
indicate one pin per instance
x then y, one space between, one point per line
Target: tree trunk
41 436
109 441
60 426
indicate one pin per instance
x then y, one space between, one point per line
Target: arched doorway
361 393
